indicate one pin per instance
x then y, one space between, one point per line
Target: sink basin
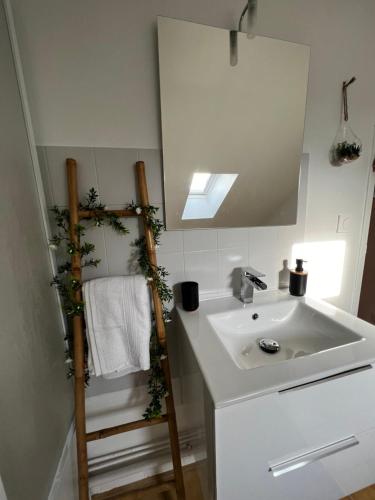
299 329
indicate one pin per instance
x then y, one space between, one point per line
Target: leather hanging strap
345 85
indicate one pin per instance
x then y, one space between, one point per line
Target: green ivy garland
67 285
156 383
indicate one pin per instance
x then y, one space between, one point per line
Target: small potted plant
346 147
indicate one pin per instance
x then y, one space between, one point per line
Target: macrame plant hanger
169 417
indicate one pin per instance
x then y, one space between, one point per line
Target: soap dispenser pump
298 280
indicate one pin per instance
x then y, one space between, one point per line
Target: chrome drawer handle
299 461
325 379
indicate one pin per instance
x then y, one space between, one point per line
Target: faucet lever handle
251 272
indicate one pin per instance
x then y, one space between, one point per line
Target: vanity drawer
354 468
339 468
330 408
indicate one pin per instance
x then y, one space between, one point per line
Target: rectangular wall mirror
232 135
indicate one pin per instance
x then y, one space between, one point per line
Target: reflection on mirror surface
220 121
199 183
207 193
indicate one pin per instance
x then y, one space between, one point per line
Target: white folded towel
118 324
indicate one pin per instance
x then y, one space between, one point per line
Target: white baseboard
139 462
125 458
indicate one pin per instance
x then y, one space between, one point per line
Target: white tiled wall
206 256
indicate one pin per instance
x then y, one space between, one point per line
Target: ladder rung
89 214
130 426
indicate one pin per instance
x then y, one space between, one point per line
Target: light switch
343 223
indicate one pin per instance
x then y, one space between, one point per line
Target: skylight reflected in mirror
199 183
206 194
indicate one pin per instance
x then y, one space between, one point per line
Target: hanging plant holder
347 147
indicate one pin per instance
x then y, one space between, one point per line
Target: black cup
190 295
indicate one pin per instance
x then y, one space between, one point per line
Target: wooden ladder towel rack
82 436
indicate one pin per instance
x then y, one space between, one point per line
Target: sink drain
269 345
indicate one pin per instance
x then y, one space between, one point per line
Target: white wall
93 64
36 398
91 71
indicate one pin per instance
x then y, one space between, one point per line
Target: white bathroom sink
299 329
317 341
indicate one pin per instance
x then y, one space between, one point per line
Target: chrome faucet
249 281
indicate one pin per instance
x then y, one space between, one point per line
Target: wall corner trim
64 468
3 495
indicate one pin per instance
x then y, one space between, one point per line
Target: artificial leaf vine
67 285
156 383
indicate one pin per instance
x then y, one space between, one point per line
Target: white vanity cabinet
311 442
276 428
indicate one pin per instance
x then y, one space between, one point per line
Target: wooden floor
129 492
366 494
193 489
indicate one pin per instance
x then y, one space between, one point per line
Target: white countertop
230 384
